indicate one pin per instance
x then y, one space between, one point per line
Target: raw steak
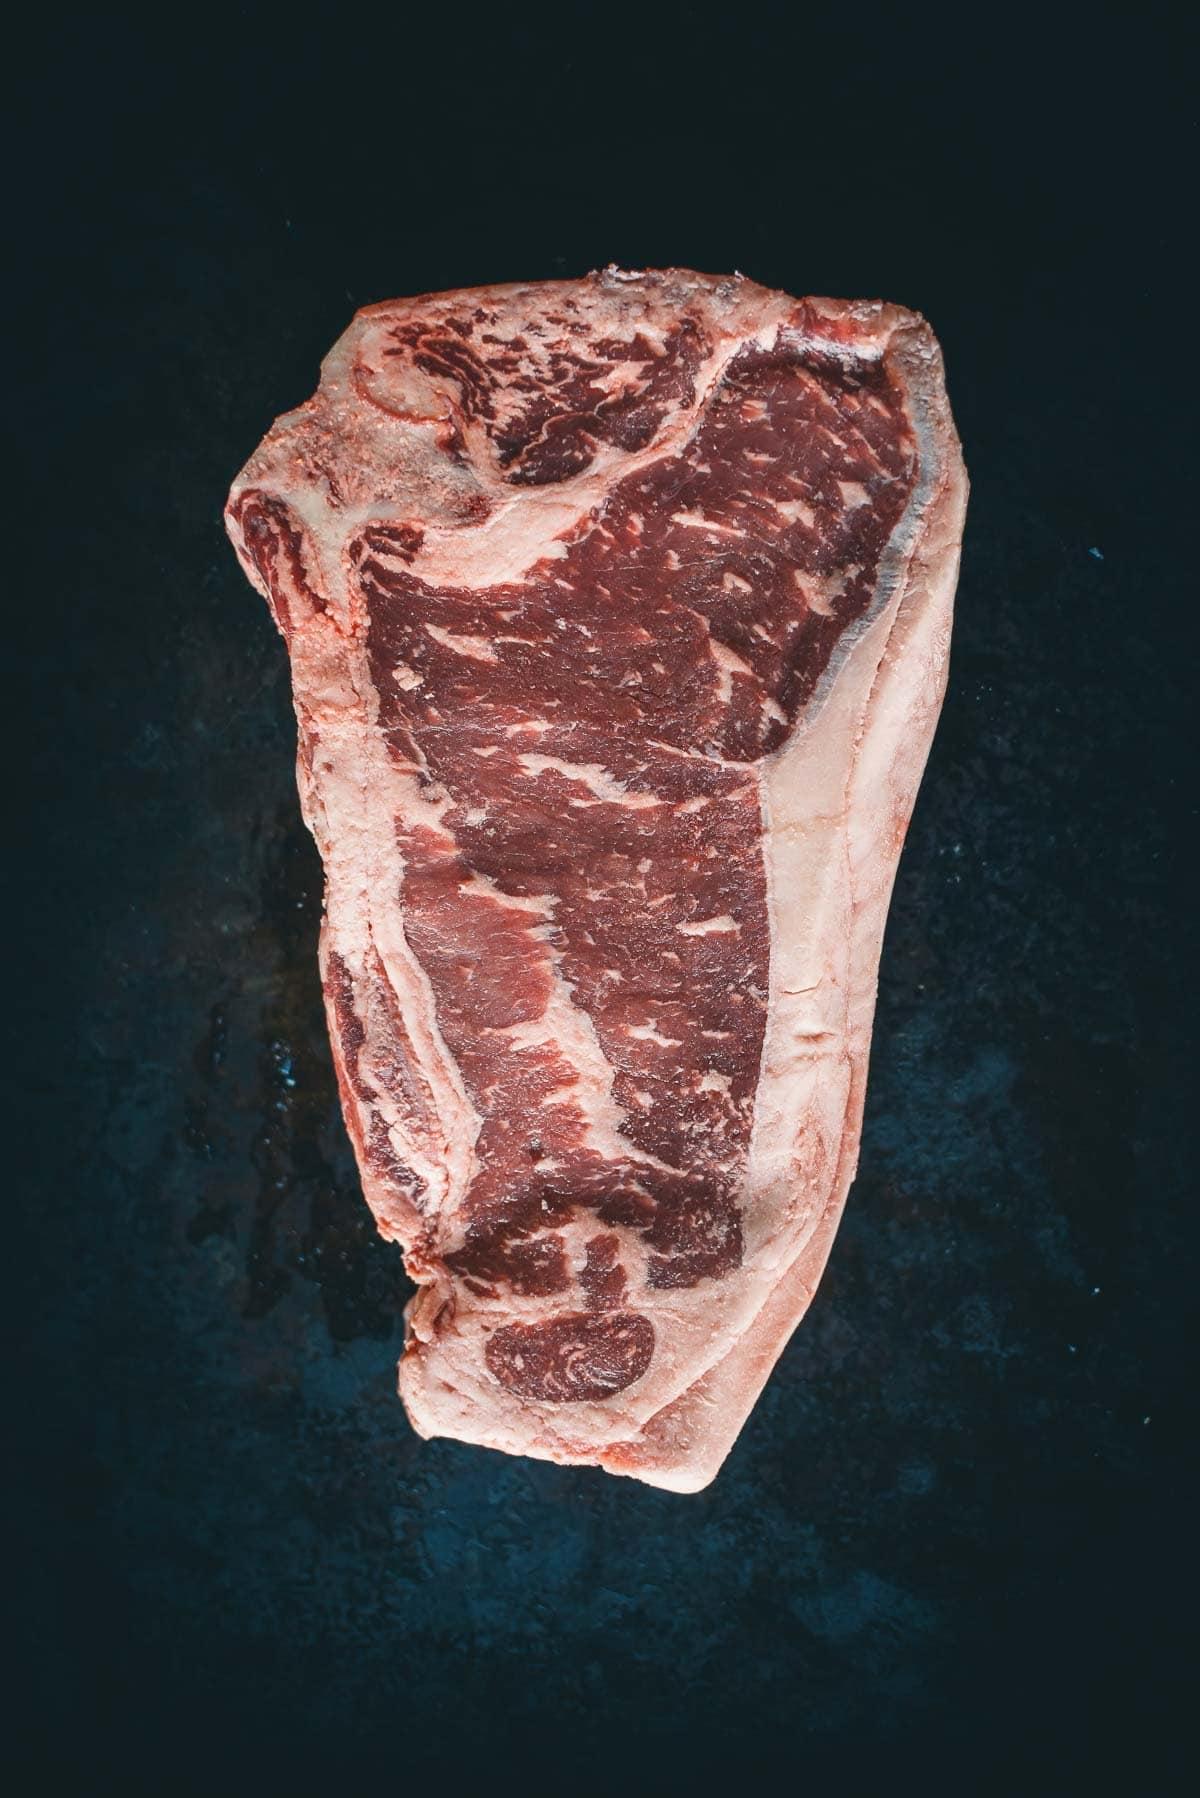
619 613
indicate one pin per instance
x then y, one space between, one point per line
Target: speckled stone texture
951 1536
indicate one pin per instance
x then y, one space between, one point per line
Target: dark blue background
949 1544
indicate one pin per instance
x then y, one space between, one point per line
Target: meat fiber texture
619 613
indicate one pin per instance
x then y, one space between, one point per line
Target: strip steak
619 612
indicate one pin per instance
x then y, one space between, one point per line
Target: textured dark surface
951 1535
